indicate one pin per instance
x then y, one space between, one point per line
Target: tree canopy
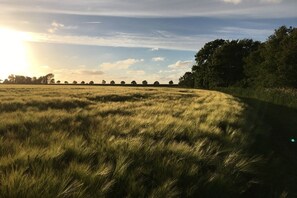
224 63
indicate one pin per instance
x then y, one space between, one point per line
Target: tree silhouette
58 82
48 78
103 82
144 82
274 64
11 78
65 82
112 82
91 82
74 82
133 82
52 81
123 82
187 80
82 82
171 82
156 83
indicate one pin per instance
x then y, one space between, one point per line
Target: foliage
144 82
246 63
220 63
18 79
187 80
274 64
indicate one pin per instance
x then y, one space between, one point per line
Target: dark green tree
187 80
274 64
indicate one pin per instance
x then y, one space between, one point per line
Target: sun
13 53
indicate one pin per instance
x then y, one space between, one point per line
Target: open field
85 141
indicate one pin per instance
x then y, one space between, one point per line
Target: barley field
88 141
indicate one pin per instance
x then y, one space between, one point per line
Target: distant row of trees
18 79
49 79
135 83
246 63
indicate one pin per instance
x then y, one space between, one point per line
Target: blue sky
134 40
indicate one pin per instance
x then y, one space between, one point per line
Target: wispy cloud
232 1
176 42
154 49
154 8
158 59
181 64
119 65
55 26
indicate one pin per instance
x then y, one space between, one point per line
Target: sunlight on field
138 142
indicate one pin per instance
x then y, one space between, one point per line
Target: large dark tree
204 73
220 63
274 64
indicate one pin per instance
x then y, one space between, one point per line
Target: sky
153 40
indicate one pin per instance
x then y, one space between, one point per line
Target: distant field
83 141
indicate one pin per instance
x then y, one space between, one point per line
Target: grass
278 109
87 141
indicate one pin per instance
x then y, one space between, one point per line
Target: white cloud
154 49
158 59
122 64
181 64
232 1
55 26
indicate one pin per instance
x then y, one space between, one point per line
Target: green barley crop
68 141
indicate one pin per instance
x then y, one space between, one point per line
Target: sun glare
13 53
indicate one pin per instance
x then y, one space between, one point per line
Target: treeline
246 63
19 79
49 79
